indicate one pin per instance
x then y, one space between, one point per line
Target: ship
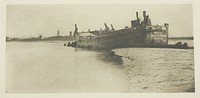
141 34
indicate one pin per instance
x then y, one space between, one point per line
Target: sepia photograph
99 48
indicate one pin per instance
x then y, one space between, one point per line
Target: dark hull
140 34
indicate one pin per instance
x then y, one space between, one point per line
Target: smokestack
144 14
138 20
137 15
167 30
75 26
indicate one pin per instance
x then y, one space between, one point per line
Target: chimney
76 28
145 20
137 15
138 20
144 14
167 30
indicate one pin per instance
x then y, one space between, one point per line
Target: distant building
59 37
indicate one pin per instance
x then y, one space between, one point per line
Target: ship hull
115 39
140 34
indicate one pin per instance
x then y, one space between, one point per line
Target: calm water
51 67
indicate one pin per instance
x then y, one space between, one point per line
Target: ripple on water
158 70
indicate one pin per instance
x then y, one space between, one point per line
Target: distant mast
58 33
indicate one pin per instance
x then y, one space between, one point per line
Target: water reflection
110 57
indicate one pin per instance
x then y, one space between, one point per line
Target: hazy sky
31 20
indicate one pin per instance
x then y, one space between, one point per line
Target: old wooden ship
141 34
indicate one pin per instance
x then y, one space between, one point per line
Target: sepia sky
32 20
